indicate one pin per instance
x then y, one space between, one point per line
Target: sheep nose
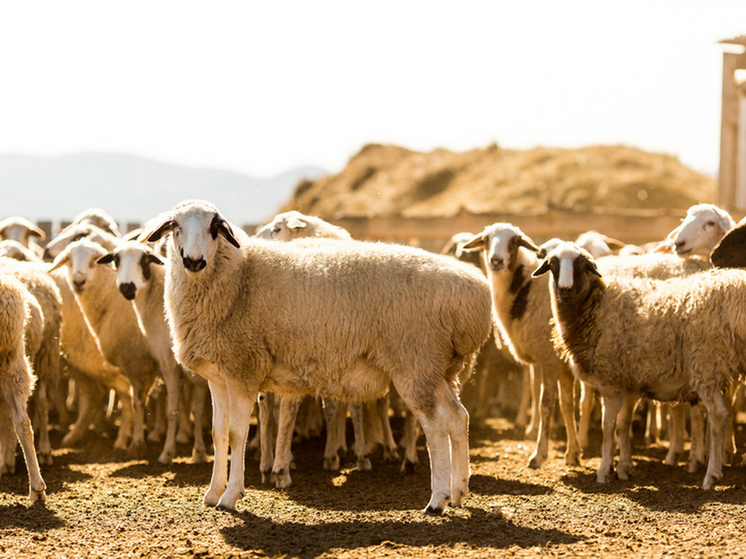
128 290
679 245
194 264
564 292
78 284
496 263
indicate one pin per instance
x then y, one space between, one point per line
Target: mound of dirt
393 181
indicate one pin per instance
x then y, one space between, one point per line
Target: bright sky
262 87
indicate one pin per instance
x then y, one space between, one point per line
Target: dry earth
103 505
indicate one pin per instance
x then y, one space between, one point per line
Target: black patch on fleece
520 285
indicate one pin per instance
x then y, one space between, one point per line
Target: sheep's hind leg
331 450
220 419
676 428
241 404
25 433
361 452
457 421
717 419
624 420
548 397
289 406
567 407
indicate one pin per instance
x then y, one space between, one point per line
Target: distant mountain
135 189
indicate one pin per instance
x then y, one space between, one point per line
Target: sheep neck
510 289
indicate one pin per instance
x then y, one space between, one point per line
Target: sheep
523 318
113 322
681 339
290 226
295 225
98 218
22 231
599 244
342 319
140 278
730 251
701 229
21 327
13 249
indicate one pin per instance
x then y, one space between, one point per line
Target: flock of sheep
193 303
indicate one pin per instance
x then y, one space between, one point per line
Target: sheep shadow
35 518
473 526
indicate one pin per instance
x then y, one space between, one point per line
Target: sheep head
131 261
80 258
195 227
501 243
574 272
701 230
21 230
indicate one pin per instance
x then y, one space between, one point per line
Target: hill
393 181
134 189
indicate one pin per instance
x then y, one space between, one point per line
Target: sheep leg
8 441
90 398
587 399
567 407
185 431
548 397
331 450
137 444
172 378
241 402
457 421
677 426
266 402
390 451
25 434
652 425
624 436
44 454
521 418
409 442
289 406
127 420
697 448
199 399
361 451
537 385
612 403
438 447
220 419
717 419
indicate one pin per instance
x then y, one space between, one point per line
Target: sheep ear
725 224
60 261
525 242
107 258
673 233
164 228
155 259
36 232
541 270
592 268
225 230
477 243
296 223
730 252
614 244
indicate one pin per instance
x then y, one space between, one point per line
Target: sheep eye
710 224
276 229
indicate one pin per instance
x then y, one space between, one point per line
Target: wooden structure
732 175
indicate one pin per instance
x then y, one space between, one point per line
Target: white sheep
676 340
341 319
522 308
21 326
140 278
113 322
295 225
290 226
701 230
13 249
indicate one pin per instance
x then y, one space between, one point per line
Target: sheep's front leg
172 378
331 450
361 453
266 403
612 405
624 420
390 451
289 406
548 397
241 404
697 451
567 407
199 452
220 418
44 453
587 399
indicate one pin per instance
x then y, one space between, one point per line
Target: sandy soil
103 505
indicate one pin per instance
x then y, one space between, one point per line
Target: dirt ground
103 505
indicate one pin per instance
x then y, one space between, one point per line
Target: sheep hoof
8 469
624 471
572 458
693 465
331 462
606 477
183 437
165 458
37 496
199 456
536 462
45 459
390 455
282 479
212 497
363 464
408 467
433 511
672 458
70 439
267 477
154 437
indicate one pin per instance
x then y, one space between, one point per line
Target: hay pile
393 181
